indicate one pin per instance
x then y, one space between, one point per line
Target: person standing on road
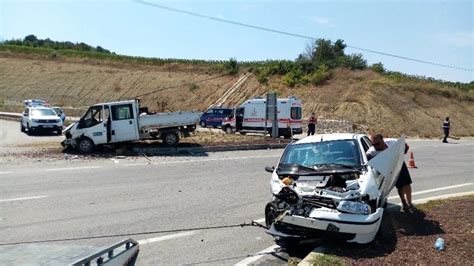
446 126
312 121
404 179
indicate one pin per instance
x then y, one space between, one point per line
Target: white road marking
25 198
203 160
7 172
453 195
114 160
261 220
435 189
167 237
73 168
136 164
259 255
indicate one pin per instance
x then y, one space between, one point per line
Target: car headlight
353 207
35 120
58 120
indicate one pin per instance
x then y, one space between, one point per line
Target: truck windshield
92 117
327 152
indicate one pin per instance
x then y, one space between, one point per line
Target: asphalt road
73 198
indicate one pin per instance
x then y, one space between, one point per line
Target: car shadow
42 134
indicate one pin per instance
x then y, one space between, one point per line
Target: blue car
214 116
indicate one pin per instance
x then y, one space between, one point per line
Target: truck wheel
203 124
22 128
228 130
85 145
170 139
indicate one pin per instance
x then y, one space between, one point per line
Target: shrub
193 87
319 76
294 78
378 67
354 61
231 66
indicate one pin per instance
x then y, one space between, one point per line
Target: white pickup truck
125 121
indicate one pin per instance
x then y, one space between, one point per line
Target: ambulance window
295 112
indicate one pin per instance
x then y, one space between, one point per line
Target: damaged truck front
126 121
324 187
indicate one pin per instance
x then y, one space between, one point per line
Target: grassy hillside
394 105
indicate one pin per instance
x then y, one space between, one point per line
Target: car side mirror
270 169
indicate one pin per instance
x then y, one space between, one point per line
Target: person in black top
446 127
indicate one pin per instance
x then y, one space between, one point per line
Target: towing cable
252 223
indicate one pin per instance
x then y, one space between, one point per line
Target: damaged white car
324 187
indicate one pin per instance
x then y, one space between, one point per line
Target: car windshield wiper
295 169
326 165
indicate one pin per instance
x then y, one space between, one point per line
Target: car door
24 117
93 125
124 126
389 163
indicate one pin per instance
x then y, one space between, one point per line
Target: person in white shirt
404 179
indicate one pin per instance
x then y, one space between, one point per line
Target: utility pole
271 110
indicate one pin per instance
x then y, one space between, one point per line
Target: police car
38 117
214 116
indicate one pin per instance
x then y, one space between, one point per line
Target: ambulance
250 117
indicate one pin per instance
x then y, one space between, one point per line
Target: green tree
378 67
232 66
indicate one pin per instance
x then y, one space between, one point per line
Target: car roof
329 137
38 107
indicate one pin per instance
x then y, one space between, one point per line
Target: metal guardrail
126 256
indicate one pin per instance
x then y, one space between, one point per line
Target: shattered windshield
338 152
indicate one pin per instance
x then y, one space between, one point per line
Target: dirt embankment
412 108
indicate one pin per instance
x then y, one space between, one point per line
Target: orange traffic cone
411 162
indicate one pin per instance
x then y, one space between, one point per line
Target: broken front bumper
69 142
324 222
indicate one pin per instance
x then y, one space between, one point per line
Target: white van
251 117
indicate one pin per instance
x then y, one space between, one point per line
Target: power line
252 223
180 85
296 35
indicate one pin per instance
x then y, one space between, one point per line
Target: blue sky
435 31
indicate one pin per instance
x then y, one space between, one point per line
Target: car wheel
170 139
271 214
85 145
203 124
22 128
228 130
29 130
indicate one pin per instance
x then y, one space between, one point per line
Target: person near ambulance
404 179
312 121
